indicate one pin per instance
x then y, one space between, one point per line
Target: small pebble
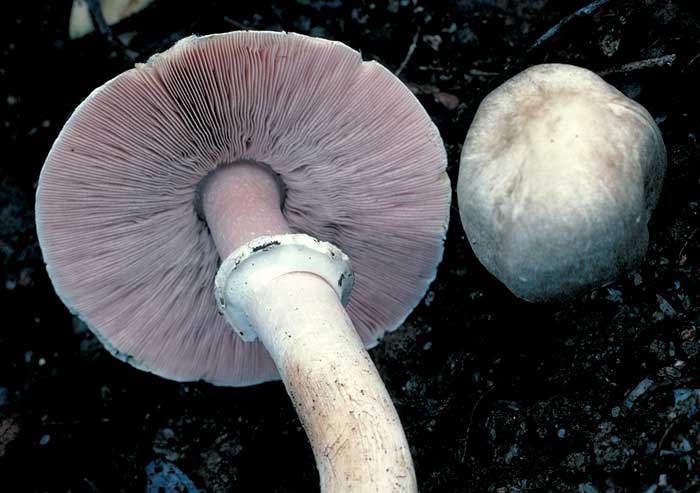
449 101
682 394
434 41
637 278
165 477
640 389
665 306
615 295
587 488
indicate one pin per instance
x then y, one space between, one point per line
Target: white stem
350 420
348 415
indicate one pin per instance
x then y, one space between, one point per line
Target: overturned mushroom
285 157
558 178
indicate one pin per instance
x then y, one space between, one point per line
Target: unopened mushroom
248 170
559 175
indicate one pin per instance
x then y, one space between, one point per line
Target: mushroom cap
558 177
362 163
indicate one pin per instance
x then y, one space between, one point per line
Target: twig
90 484
659 61
587 10
434 68
690 63
235 23
663 438
409 53
72 422
98 20
483 73
471 420
680 260
694 59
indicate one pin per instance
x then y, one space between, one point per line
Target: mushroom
283 158
558 178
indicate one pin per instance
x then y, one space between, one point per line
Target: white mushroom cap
559 175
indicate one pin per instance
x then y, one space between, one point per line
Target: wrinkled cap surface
558 177
362 164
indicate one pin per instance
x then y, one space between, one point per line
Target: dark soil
598 394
